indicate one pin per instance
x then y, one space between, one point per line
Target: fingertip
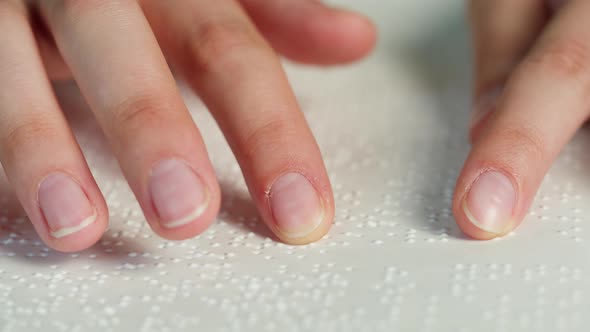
358 35
68 212
85 237
314 236
350 36
472 230
485 203
194 223
312 32
80 240
317 234
299 211
198 226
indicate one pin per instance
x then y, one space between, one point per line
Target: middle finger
242 82
122 73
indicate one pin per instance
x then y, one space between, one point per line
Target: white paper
393 133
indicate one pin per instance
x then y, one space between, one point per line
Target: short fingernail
178 194
296 206
490 202
65 205
484 104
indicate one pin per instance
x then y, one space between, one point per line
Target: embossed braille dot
394 258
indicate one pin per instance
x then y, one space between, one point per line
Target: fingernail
484 104
178 194
490 202
295 205
65 206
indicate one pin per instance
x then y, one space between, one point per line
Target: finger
545 101
503 32
309 31
55 67
241 80
38 151
121 71
556 4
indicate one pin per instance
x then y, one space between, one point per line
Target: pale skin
118 52
532 76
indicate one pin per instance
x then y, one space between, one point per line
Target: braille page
393 131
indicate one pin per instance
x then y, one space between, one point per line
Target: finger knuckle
268 136
568 58
27 131
527 141
217 44
147 110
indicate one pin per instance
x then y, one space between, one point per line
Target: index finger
242 82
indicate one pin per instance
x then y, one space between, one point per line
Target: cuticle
268 194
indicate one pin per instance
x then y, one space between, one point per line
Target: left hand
116 50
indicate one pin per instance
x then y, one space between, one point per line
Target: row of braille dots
324 279
564 274
395 288
361 154
465 277
15 243
299 316
37 310
281 297
391 272
463 272
390 275
504 318
392 290
347 199
385 223
210 271
105 311
570 225
542 313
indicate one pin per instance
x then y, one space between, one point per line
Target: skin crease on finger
503 32
242 82
524 130
338 48
38 150
217 90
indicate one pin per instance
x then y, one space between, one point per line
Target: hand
116 51
532 77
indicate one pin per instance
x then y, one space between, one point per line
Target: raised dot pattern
394 259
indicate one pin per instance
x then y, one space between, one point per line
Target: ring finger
544 102
122 73
241 80
37 149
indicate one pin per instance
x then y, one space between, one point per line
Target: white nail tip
71 230
476 223
188 218
316 225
